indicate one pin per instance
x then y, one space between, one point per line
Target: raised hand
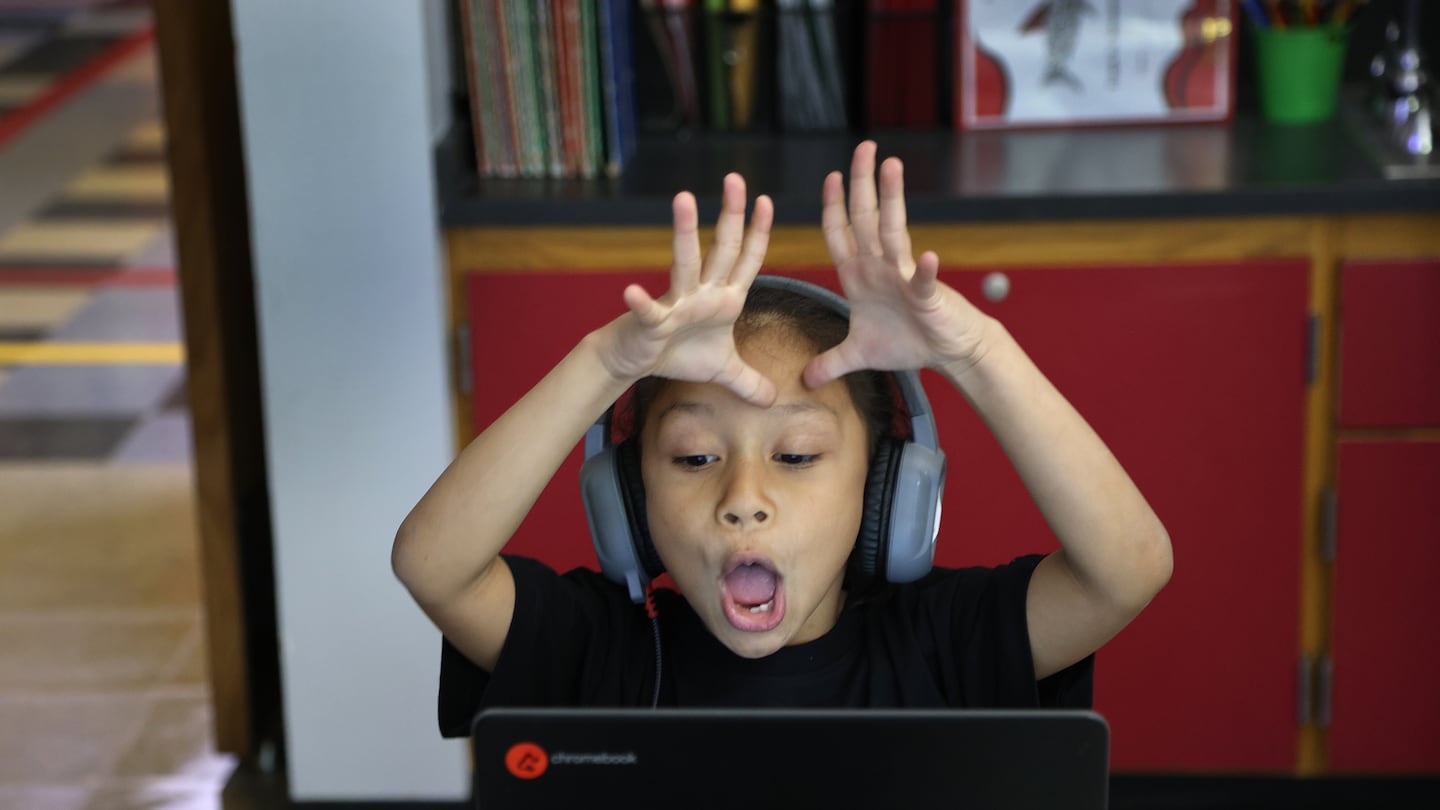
901 317
688 333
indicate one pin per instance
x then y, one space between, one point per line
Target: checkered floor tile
103 377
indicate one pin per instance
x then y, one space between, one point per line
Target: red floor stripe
72 83
87 277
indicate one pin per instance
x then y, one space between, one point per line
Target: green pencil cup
1298 70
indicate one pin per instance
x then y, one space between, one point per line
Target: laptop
791 758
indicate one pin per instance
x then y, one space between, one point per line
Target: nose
745 502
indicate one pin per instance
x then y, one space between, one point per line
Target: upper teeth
763 608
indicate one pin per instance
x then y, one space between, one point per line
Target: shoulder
953 609
974 622
580 595
575 639
972 584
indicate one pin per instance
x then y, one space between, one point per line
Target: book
549 95
593 156
497 67
714 25
618 83
902 38
525 78
482 100
808 70
669 98
564 105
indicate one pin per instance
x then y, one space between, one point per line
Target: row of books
551 86
559 88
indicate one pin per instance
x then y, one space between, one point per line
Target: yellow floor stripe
149 135
100 239
91 354
124 183
40 308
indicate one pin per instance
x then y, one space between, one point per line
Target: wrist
604 348
983 351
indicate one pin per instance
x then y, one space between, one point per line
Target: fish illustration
1061 21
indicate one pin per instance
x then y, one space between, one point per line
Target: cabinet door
1385 715
1390 344
1193 375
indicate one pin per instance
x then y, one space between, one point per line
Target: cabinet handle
995 287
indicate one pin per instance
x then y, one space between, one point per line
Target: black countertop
1245 168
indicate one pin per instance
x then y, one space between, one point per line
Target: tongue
751 584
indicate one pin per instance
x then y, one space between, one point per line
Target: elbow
1156 564
1146 569
426 573
403 554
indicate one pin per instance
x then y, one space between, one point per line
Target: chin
753 646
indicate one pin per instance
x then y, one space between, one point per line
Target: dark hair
873 392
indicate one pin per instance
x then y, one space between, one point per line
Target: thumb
828 366
927 270
646 309
748 384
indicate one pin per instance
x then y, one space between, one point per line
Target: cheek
671 518
834 518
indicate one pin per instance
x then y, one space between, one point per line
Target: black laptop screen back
754 759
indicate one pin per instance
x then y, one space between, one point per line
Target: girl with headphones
769 474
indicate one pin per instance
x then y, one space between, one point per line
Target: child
755 430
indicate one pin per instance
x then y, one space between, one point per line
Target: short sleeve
565 647
990 630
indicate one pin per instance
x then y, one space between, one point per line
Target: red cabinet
1385 716
1390 344
1193 375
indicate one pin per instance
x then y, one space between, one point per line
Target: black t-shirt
957 638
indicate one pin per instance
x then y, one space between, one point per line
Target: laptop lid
755 758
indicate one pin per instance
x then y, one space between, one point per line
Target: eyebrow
703 409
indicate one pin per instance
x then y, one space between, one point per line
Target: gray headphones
898 527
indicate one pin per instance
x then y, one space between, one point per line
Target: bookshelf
1245 168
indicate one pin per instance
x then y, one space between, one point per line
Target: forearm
1114 542
459 527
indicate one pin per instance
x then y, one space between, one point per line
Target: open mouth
752 594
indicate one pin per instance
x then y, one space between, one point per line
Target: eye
796 459
695 462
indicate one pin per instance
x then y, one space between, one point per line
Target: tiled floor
104 700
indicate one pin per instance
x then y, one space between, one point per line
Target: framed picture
1061 63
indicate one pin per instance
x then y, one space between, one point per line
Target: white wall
335 104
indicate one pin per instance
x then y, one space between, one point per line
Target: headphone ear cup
872 544
915 489
632 489
605 511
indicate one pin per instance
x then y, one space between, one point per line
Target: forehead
777 356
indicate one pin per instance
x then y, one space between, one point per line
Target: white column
335 104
